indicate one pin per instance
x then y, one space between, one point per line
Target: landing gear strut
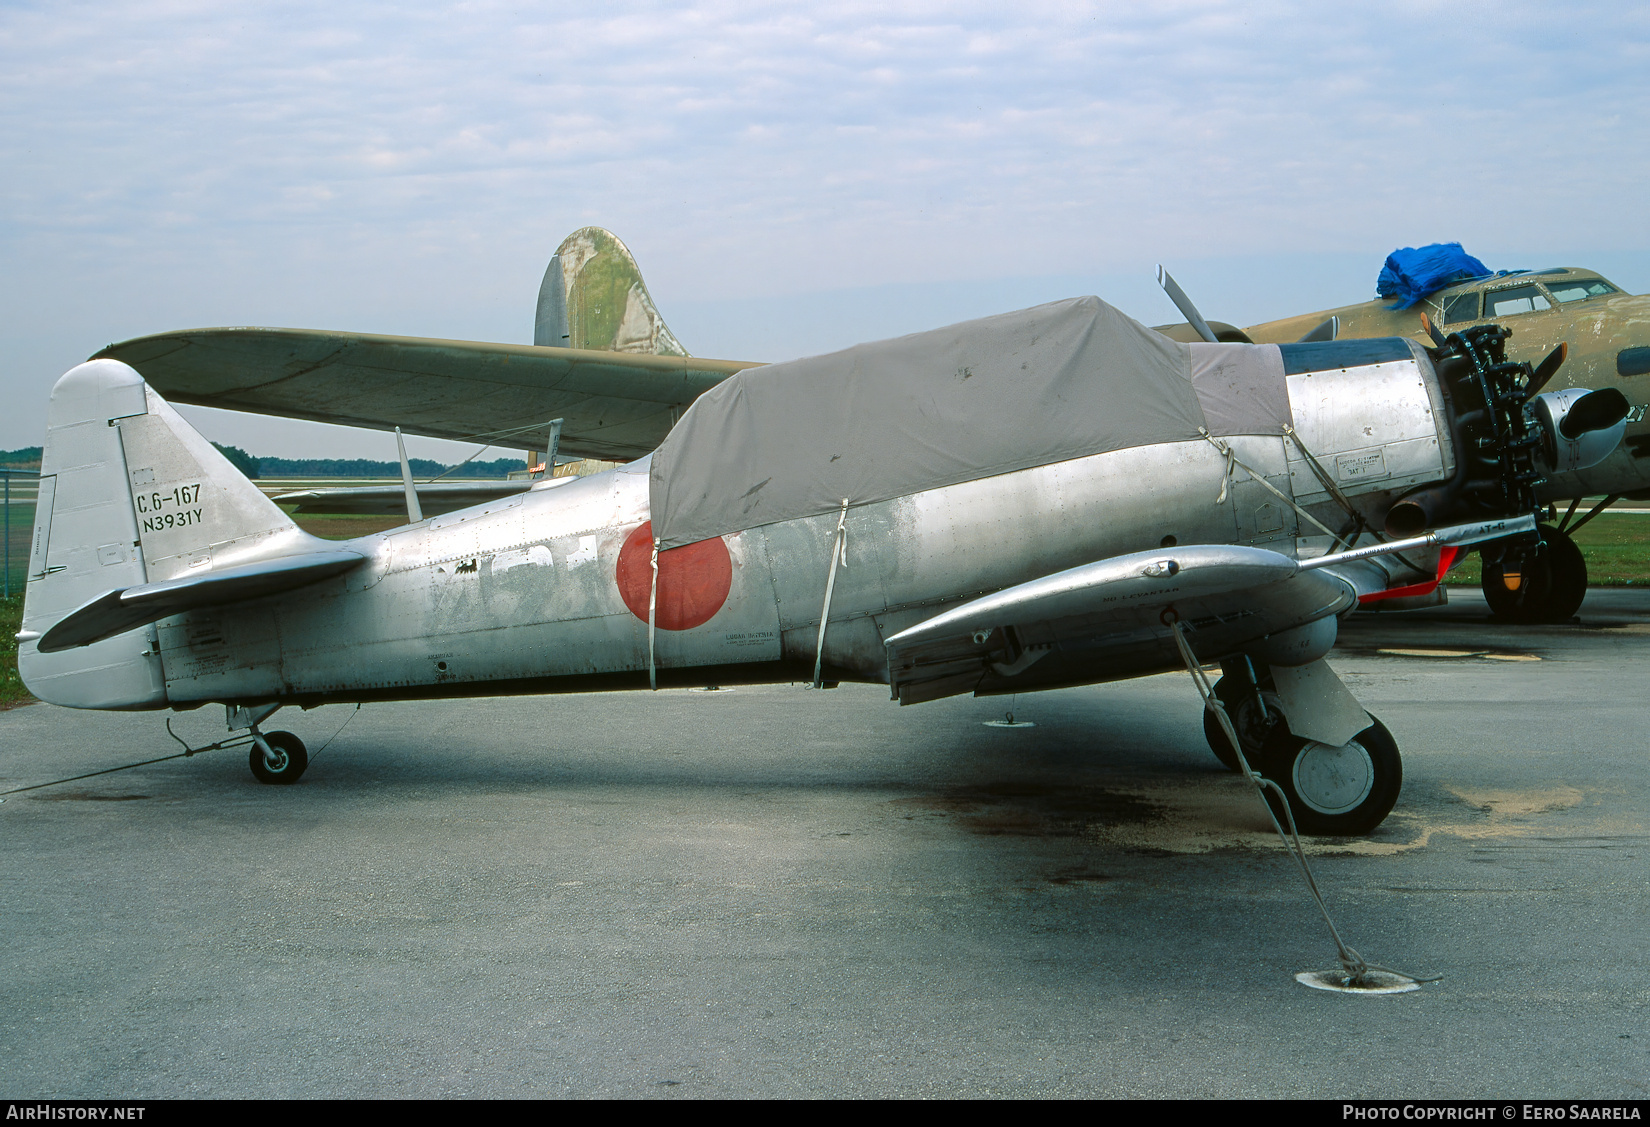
1546 586
1254 708
1335 791
277 757
1332 791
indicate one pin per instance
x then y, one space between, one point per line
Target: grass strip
343 526
1616 547
12 692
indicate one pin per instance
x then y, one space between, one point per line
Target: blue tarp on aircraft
1412 273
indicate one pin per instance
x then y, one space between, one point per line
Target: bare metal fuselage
522 595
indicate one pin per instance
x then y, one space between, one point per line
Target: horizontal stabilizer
130 607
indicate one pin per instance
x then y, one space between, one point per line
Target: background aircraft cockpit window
1575 291
1520 299
1461 307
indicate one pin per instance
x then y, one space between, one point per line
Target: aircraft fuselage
547 591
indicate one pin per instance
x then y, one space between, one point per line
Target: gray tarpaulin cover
986 397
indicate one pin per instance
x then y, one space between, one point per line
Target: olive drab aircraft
1605 337
1049 498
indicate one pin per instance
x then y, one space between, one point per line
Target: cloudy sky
792 178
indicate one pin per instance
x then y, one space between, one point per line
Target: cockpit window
1576 291
1461 307
1520 299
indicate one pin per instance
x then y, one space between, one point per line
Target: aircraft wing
615 405
1105 620
1109 619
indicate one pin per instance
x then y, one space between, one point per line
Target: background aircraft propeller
1545 370
1184 303
1438 338
1325 331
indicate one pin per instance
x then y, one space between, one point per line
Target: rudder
593 297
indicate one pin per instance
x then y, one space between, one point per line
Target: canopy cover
1411 273
883 420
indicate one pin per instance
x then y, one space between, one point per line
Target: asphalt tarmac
781 892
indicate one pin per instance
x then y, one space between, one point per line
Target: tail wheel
1548 587
1335 791
1253 725
285 763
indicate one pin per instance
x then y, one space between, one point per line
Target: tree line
28 458
358 467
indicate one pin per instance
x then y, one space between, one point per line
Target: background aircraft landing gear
1545 587
278 757
1334 791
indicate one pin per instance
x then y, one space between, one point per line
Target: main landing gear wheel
1548 587
1253 725
1334 791
286 761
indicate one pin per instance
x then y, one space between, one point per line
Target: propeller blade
1325 331
1432 331
1184 304
1597 410
1545 370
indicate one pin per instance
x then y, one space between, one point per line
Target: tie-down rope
1355 969
652 615
1359 525
186 753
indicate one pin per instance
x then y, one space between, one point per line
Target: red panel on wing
1446 557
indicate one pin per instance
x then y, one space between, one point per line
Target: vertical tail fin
593 296
130 494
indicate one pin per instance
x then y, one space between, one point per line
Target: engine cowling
1497 441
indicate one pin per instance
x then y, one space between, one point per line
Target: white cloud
408 167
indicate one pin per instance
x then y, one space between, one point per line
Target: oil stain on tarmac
1205 813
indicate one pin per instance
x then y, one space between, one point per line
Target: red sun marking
694 579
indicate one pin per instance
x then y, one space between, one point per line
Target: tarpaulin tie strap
1234 462
1353 965
652 617
839 556
1359 525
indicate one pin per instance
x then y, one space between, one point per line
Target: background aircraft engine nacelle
1579 427
1301 646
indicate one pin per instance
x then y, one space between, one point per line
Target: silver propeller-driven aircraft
1048 498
